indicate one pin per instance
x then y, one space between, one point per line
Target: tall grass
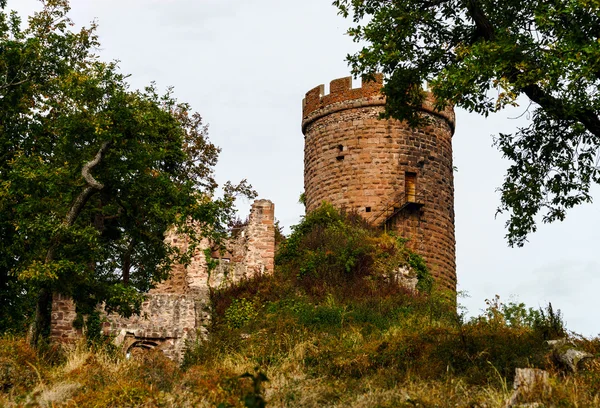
331 327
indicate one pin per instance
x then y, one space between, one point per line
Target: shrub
546 323
549 323
240 313
333 252
18 365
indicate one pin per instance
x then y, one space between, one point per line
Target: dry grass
323 338
296 378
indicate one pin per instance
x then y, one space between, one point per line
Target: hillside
335 325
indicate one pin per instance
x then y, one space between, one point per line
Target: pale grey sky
245 66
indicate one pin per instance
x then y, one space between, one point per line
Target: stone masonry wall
358 162
175 311
251 251
62 316
166 321
254 248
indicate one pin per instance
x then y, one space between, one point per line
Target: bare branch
82 198
85 171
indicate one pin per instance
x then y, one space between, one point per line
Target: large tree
482 55
92 174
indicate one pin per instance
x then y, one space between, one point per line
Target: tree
482 55
92 174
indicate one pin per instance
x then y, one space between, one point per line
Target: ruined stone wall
62 317
254 247
178 281
166 321
186 278
176 311
358 162
251 250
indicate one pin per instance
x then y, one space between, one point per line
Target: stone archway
140 346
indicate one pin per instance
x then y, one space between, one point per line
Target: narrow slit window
410 187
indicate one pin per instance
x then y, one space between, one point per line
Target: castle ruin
175 312
396 177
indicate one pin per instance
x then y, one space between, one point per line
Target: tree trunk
41 324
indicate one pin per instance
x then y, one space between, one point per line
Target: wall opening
340 158
410 187
341 148
140 347
367 209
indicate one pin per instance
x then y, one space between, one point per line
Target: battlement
340 90
342 96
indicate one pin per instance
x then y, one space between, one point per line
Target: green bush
546 323
240 313
333 252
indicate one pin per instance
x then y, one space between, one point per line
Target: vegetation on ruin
341 332
91 175
482 55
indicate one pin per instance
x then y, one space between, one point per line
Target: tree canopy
92 174
482 55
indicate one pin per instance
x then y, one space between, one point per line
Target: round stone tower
396 177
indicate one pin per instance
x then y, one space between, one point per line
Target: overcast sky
245 66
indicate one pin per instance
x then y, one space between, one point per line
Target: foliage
417 264
511 314
330 247
240 312
279 236
92 174
335 336
255 399
302 199
381 347
470 50
93 332
550 323
384 340
547 323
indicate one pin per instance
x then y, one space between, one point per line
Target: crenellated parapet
342 96
340 90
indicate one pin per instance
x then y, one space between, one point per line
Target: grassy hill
331 326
